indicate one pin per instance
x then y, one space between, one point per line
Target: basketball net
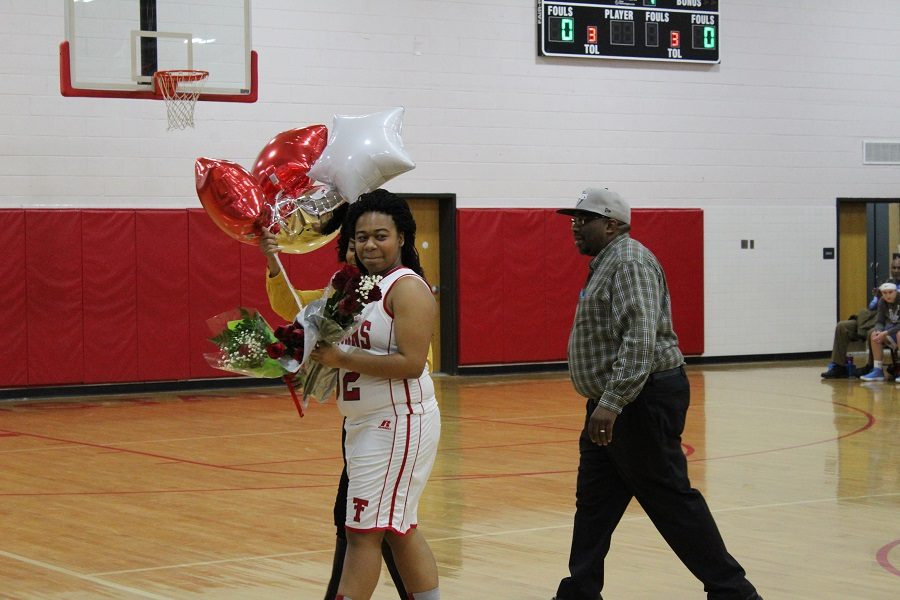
179 102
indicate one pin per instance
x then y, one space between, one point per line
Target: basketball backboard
113 47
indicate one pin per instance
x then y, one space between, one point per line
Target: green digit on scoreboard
567 31
561 29
709 37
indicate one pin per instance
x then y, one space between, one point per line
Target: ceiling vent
882 152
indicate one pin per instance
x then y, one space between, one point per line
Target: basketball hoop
179 102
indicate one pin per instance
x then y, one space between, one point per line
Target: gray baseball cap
602 202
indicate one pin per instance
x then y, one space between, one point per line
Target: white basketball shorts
389 459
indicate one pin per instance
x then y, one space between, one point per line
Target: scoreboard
665 30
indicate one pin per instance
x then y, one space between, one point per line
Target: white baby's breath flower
366 284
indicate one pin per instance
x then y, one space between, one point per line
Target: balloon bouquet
298 180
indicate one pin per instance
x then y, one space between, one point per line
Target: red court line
870 421
171 459
885 561
172 491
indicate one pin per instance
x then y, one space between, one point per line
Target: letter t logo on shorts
359 505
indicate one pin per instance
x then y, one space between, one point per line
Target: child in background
887 324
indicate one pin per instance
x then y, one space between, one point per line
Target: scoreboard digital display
665 30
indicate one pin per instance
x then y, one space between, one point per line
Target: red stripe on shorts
402 467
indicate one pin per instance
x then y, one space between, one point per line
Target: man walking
624 358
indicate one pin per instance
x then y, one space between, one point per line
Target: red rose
374 294
276 350
283 333
296 337
342 277
298 354
348 306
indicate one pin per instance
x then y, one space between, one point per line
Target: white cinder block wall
764 142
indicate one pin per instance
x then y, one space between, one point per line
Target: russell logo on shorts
385 425
359 505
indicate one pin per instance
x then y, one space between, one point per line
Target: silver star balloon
362 153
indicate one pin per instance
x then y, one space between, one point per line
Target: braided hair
383 201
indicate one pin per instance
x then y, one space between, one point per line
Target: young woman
283 303
387 397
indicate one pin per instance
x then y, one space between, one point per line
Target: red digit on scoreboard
675 39
592 34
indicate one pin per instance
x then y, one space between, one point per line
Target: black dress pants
645 461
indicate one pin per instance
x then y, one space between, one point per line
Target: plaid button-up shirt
623 326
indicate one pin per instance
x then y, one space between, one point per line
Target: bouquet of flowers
248 346
331 319
242 336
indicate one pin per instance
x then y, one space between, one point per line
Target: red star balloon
283 163
232 199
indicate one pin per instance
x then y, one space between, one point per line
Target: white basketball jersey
363 396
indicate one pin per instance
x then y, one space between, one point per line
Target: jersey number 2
351 393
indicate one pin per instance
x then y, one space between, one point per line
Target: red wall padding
214 279
313 270
253 266
109 260
675 236
482 316
105 296
161 242
516 286
13 300
101 296
53 288
520 274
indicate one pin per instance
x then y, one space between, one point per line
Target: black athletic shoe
835 372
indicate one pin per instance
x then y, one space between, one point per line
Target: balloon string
289 284
289 380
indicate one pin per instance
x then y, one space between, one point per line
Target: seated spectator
854 329
887 324
857 329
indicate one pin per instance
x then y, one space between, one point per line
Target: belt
679 370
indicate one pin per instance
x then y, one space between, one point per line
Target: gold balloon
299 220
296 235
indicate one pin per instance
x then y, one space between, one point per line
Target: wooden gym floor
228 494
